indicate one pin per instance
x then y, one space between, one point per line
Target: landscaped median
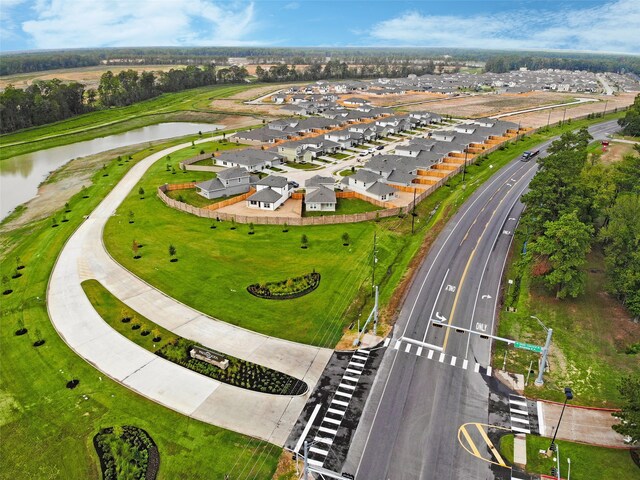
587 462
142 331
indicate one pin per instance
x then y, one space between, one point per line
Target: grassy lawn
347 206
231 260
338 156
303 166
346 173
360 147
191 197
46 429
191 105
587 462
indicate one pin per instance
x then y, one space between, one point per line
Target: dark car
294 184
379 147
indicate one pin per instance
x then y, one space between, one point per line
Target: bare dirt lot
615 152
235 103
476 106
89 76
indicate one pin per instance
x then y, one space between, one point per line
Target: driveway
268 417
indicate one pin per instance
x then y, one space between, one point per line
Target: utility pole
373 263
464 170
545 351
413 213
548 118
375 314
605 108
564 115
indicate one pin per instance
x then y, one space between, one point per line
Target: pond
21 175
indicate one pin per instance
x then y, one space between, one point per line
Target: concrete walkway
583 425
268 417
546 107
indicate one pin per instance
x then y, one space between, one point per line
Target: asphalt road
411 426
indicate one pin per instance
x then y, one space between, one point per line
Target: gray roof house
321 199
231 181
272 191
318 181
250 159
381 191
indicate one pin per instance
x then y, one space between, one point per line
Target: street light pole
306 460
568 395
413 211
558 462
545 351
464 170
569 469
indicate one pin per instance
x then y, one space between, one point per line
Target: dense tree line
631 122
506 63
41 102
575 202
335 69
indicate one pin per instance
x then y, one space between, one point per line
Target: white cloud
612 27
109 23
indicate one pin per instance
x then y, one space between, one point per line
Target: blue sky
601 26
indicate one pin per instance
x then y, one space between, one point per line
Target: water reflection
21 175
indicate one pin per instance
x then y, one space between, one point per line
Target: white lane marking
331 420
355 372
517 402
476 369
359 357
343 394
521 412
442 355
540 418
434 303
387 341
519 420
362 350
315 463
348 387
407 349
318 451
328 441
465 363
350 379
361 365
337 412
397 345
517 396
419 352
520 430
484 189
453 361
430 355
306 428
489 371
340 402
327 430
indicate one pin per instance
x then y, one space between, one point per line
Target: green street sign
528 346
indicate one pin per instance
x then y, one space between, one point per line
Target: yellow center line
466 268
491 446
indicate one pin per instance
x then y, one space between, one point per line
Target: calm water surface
21 175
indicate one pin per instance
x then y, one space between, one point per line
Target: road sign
528 346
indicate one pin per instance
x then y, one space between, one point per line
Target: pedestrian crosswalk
521 422
323 440
440 357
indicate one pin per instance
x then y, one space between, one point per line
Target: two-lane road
435 379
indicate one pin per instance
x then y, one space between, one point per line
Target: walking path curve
268 417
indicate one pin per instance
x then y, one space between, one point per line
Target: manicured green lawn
338 156
191 197
347 206
47 429
587 462
303 166
346 173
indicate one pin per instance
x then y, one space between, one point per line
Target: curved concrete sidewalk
268 417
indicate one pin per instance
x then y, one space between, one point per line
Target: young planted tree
156 334
304 241
251 229
233 224
135 248
67 207
141 193
6 285
54 222
131 216
285 227
345 239
172 253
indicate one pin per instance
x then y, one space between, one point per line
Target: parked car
294 184
364 154
379 147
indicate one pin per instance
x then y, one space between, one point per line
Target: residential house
251 159
320 199
271 192
231 181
